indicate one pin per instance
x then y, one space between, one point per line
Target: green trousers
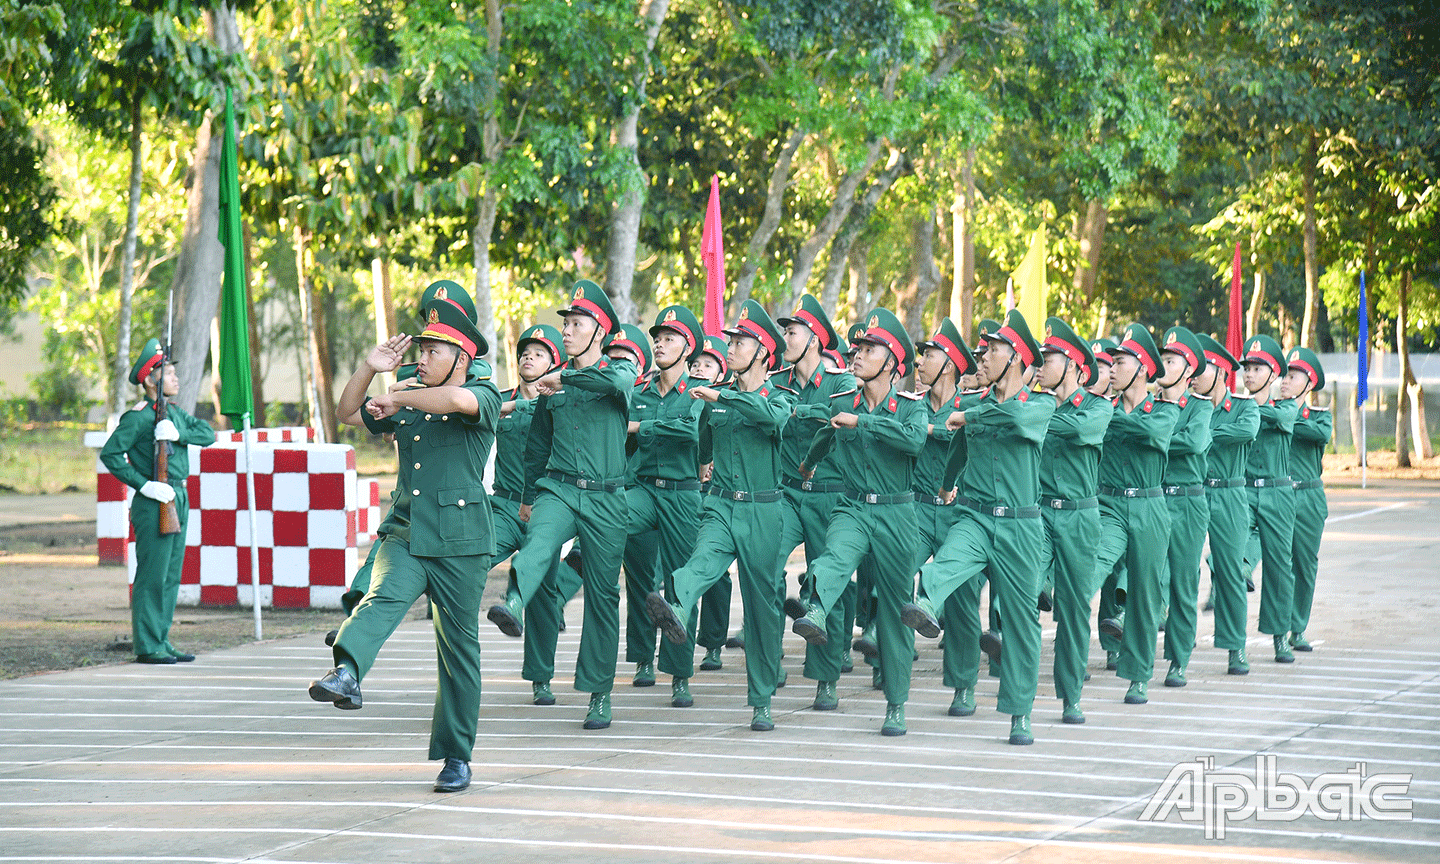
1229 530
545 611
1112 599
1070 552
1189 520
1272 516
599 520
743 533
454 585
1135 532
714 629
1311 509
1010 549
883 537
806 519
158 562
960 613
662 528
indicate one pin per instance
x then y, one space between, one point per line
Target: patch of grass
45 458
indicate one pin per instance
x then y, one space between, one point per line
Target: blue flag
1362 367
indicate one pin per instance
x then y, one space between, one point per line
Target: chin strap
892 369
451 374
755 355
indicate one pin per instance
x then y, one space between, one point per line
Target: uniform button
427 416
461 502
417 437
417 464
415 492
444 416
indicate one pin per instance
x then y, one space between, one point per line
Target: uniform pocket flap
461 497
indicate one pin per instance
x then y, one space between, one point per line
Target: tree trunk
121 372
198 271
1407 376
1257 300
830 224
927 275
322 398
1312 266
624 240
967 265
859 267
855 223
1091 236
769 222
484 231
383 304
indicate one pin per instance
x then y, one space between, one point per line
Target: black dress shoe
155 659
454 776
338 687
992 644
331 637
181 656
794 608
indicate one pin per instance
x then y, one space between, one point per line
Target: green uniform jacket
1070 459
1312 432
1001 454
1189 442
511 434
1270 456
129 452
440 506
878 455
669 434
1233 426
739 433
811 413
581 430
930 466
1137 444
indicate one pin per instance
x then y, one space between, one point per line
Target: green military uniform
664 502
1233 425
1184 485
809 502
1134 520
1069 465
437 539
998 527
741 436
1313 428
575 475
874 522
129 454
713 632
1272 498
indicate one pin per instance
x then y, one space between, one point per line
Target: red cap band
1218 360
595 311
1183 350
1263 357
1014 340
884 337
759 333
1133 347
629 346
446 333
1067 349
815 326
951 350
149 367
1309 371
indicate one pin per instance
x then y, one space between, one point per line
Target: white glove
157 491
166 431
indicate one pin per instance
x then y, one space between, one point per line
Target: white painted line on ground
1372 511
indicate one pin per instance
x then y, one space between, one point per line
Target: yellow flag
1030 280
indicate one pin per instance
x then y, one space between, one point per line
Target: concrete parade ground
226 759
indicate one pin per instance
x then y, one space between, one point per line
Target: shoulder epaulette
852 391
792 391
976 391
911 396
1318 407
1249 396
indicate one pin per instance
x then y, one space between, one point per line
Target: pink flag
712 252
1234 329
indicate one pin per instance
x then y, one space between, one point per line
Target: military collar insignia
858 397
1305 412
1078 398
1183 399
892 405
680 387
1227 403
1148 406
819 375
956 401
765 391
603 363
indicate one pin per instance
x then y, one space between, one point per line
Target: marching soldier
740 439
1069 465
1233 424
437 538
575 476
1109 607
875 432
129 454
1134 521
999 525
810 500
709 367
1313 428
1271 491
664 496
1184 484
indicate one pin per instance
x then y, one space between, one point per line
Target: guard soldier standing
437 538
575 473
740 438
1313 428
129 454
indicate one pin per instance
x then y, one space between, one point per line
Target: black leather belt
881 497
1196 491
1002 511
1132 492
813 485
1067 503
1309 484
585 482
1227 483
508 496
675 485
763 497
1263 482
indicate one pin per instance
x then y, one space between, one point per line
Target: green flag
236 394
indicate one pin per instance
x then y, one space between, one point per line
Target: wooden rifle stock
169 515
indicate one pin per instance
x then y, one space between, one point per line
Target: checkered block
367 512
272 435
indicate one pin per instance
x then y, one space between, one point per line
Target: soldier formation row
679 455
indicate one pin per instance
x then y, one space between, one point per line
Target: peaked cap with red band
811 315
684 322
1267 352
1104 349
150 357
587 298
1138 343
947 338
855 332
1180 340
883 328
1061 338
446 289
631 338
756 323
1217 354
715 347
1308 362
447 322
1015 332
544 335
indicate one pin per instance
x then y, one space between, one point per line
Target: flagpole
1364 455
254 541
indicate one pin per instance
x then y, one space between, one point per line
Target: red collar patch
680 388
1023 395
858 396
765 391
1183 400
1305 412
602 364
1227 404
891 405
819 374
1148 406
1079 397
956 403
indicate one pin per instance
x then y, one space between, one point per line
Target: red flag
712 252
1234 330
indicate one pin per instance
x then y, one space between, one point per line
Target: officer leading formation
1055 469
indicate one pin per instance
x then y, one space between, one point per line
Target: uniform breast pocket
463 514
847 434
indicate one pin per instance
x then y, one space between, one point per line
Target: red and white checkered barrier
367 513
306 521
271 435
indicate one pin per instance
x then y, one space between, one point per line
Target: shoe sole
1136 700
915 618
597 724
439 788
682 703
1302 648
794 608
544 700
891 731
1022 740
1175 682
1073 720
966 711
735 643
807 630
1112 630
711 667
331 637
503 618
991 646
1237 670
1284 658
339 700
762 727
825 706
664 617
867 648
642 682
1045 604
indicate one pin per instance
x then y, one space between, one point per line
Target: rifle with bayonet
169 515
